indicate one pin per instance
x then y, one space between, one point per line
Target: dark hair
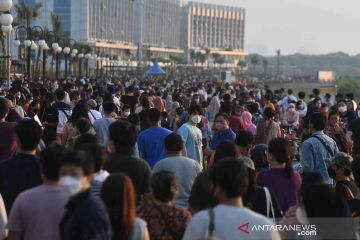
144 102
29 134
134 119
309 178
4 108
119 196
316 92
225 149
79 159
124 136
60 94
318 121
355 168
232 176
174 143
79 111
244 138
258 155
334 112
268 112
49 96
83 125
196 108
280 149
224 115
85 138
50 160
290 91
301 95
154 115
95 151
164 185
226 107
109 107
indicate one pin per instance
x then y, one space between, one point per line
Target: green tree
254 59
242 64
265 64
207 55
192 55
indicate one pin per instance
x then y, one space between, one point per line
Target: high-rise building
215 27
107 25
63 10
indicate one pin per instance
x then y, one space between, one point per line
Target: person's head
229 179
221 122
154 116
50 159
320 201
268 113
79 111
195 112
134 119
225 149
28 134
83 125
84 139
342 107
75 96
4 108
278 155
340 166
244 141
317 104
258 155
334 118
34 107
246 118
118 194
174 144
144 102
316 92
76 171
309 178
126 110
94 150
109 108
164 186
60 95
350 105
301 95
117 142
317 122
290 91
291 107
92 104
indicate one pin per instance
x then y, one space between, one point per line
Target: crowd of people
192 158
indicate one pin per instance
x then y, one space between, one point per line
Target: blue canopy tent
155 69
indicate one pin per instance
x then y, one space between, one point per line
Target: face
318 104
221 124
334 119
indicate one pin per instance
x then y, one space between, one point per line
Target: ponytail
280 149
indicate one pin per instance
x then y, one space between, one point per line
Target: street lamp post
80 56
6 20
66 53
87 56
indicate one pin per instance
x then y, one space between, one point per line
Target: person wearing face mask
34 109
291 116
340 171
125 111
86 216
191 135
245 142
222 130
346 115
319 148
337 131
37 212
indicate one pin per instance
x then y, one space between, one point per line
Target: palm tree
192 55
207 55
254 59
265 64
25 15
242 64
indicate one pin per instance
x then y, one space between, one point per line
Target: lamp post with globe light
33 33
80 56
67 51
87 56
6 21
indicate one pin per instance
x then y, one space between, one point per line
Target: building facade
63 10
215 27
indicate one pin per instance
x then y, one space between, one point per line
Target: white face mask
196 119
70 185
342 109
126 114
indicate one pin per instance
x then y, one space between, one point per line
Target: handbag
269 205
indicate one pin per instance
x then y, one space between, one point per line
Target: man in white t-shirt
230 219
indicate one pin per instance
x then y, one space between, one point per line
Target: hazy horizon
299 26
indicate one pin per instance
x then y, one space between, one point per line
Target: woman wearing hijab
172 115
246 119
291 116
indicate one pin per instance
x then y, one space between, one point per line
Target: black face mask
331 172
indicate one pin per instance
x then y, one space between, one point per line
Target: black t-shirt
348 117
354 127
347 189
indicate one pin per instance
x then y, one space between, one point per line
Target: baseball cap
92 103
342 159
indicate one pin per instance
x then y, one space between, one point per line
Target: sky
300 26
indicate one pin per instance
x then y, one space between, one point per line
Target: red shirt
7 140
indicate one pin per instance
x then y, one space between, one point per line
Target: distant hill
342 63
